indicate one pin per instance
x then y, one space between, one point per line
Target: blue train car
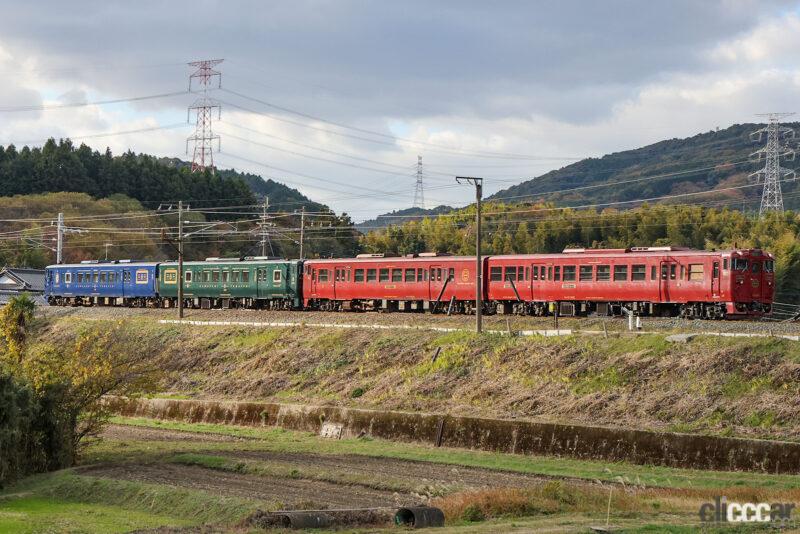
114 283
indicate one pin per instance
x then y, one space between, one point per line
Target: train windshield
740 264
769 266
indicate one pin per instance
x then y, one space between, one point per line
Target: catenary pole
478 183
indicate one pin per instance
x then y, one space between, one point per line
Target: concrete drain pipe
419 517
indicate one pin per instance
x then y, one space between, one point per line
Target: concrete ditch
497 435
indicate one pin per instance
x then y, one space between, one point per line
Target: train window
549 273
696 271
672 270
511 273
95 276
187 276
397 275
586 273
638 273
215 276
425 274
235 276
520 272
359 275
557 273
323 275
725 264
496 274
603 273
683 272
620 273
103 278
80 278
348 274
225 277
535 272
383 275
206 276
67 278
451 274
663 271
769 266
336 275
652 272
569 273
715 272
246 276
438 274
756 267
372 275
740 264
57 277
276 275
420 275
527 273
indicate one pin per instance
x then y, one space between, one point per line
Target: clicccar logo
722 511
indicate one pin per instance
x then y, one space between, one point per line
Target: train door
127 281
436 282
756 279
538 280
669 280
715 275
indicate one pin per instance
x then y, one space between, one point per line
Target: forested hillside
400 217
60 166
712 160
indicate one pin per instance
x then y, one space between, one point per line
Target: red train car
372 282
663 281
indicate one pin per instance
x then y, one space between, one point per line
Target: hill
401 216
711 160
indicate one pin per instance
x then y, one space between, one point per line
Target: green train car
233 283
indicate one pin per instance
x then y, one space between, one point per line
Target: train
663 281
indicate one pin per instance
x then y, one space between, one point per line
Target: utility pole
773 174
60 239
478 183
264 206
302 229
419 194
204 137
180 259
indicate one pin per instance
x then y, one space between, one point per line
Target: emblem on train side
465 275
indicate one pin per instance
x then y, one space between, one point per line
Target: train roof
228 262
105 264
635 251
391 259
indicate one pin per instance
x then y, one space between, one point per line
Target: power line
47 107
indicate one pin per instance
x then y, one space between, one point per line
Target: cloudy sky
338 98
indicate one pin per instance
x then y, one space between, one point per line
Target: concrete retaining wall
520 437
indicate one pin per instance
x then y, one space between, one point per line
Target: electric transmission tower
773 174
204 136
419 193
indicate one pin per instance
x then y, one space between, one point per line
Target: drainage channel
497 435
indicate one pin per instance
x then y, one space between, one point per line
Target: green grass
280 440
66 502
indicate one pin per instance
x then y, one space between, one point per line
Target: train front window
496 274
756 268
740 264
769 266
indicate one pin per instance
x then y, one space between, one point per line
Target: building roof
21 279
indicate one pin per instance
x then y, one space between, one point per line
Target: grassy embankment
725 386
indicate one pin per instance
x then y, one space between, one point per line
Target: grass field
146 474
